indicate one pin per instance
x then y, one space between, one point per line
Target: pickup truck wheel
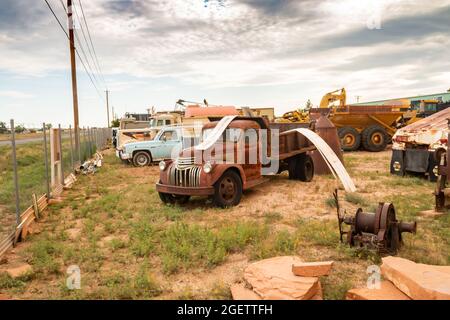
228 190
142 159
374 138
173 198
350 138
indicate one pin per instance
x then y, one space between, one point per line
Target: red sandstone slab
418 281
312 269
387 291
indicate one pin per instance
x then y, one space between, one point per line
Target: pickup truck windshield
169 135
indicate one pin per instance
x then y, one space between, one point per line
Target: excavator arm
331 97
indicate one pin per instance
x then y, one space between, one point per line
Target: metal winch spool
380 230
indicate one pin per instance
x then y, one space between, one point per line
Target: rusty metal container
328 132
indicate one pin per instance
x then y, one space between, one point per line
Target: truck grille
185 162
188 176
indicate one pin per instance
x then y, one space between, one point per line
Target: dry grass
130 246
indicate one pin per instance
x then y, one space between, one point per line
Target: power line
57 19
89 48
92 44
81 60
87 61
63 5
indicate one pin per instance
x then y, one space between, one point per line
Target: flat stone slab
240 292
18 270
418 281
387 291
272 279
312 269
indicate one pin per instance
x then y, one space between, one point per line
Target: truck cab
230 159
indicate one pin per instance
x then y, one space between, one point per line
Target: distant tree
309 105
20 128
115 123
3 128
48 126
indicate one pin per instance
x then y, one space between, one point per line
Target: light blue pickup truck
142 153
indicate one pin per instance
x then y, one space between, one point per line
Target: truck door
170 140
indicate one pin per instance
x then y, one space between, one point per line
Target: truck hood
426 131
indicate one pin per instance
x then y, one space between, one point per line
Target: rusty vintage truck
236 153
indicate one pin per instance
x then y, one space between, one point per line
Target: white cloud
15 94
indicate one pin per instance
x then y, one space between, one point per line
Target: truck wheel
228 190
301 168
374 138
350 138
142 159
305 168
173 198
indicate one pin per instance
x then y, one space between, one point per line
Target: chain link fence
26 168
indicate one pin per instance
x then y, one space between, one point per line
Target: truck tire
301 168
350 138
374 138
142 159
305 168
228 190
173 198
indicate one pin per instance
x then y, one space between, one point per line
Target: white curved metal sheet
331 159
215 134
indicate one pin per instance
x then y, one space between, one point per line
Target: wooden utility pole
107 107
73 66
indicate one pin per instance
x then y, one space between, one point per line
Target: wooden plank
36 207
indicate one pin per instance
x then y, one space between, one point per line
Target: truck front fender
220 169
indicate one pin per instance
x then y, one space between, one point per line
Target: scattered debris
90 166
312 269
380 230
418 281
387 291
272 279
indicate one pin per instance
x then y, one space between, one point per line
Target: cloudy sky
232 52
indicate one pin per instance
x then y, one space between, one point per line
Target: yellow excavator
302 115
331 97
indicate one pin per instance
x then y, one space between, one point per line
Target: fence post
16 177
61 154
79 146
71 148
47 177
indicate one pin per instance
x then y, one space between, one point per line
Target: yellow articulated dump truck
370 127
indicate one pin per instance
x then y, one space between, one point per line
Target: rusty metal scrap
380 230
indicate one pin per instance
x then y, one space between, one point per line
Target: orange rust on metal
328 132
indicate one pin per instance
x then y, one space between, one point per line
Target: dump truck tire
173 199
228 190
305 168
374 138
301 168
350 139
142 159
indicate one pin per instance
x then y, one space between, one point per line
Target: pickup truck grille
188 176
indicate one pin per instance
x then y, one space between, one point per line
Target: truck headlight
162 165
207 167
436 171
